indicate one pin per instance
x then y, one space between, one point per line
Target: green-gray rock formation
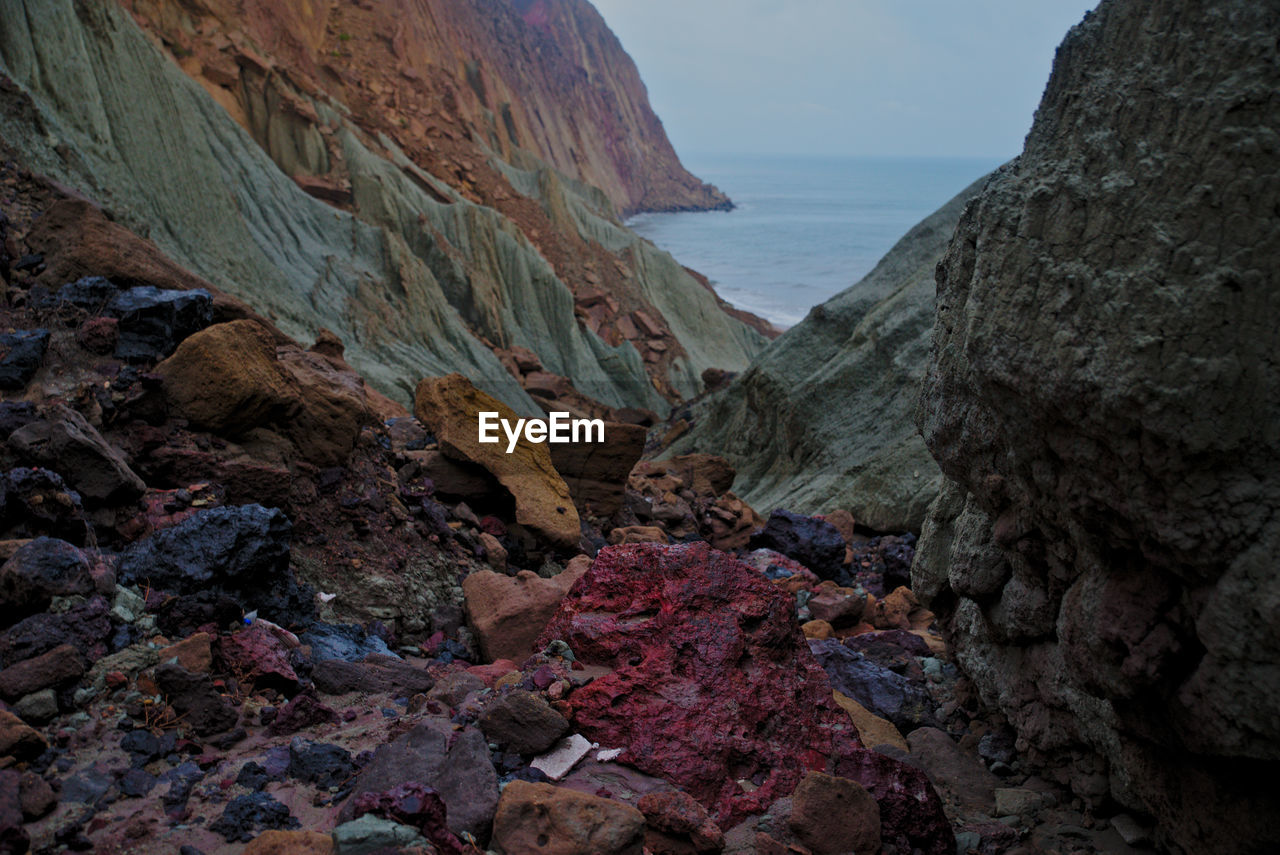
410 282
823 418
1104 398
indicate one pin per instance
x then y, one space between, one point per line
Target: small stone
523 722
37 707
38 798
1015 801
1130 830
371 833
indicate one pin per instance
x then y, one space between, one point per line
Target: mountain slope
823 418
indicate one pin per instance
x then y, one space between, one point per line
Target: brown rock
225 379
873 730
839 607
835 815
894 611
449 408
966 786
335 405
509 612
678 825
193 653
843 521
557 821
290 843
38 798
818 629
596 472
60 664
18 740
495 554
638 534
728 523
99 335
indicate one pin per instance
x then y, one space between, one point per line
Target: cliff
823 418
331 168
1103 396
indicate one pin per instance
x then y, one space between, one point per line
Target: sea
805 228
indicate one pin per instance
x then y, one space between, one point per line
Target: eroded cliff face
353 167
823 418
1104 398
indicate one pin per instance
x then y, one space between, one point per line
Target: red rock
493 671
712 683
98 335
258 655
677 824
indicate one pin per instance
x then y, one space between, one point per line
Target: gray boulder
1104 396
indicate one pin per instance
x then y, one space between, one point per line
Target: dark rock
894 649
88 785
99 335
36 501
317 763
39 571
55 668
14 415
417 806
242 551
90 293
153 321
178 617
254 776
181 780
904 702
302 712
711 682
523 722
65 440
245 816
194 697
388 676
883 563
21 354
997 745
143 746
815 543
347 642
455 764
137 783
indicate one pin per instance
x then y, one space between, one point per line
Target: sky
912 78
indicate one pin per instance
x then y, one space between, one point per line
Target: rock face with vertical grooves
328 171
823 418
1104 399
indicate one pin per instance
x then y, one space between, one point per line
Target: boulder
596 472
833 816
902 700
508 613
454 763
813 542
21 355
1103 395
558 821
65 441
241 551
152 321
39 571
449 408
712 683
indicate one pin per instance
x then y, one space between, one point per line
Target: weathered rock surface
822 419
712 685
64 441
596 472
558 821
1104 393
508 613
449 407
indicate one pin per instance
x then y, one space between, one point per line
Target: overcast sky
855 77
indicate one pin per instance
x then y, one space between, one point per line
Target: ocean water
805 228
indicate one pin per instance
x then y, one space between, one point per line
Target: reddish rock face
713 688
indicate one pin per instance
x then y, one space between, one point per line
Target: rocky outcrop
1104 398
367 191
822 419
